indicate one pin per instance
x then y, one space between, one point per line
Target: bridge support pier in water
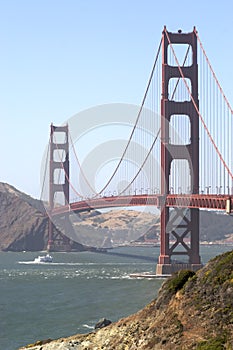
179 227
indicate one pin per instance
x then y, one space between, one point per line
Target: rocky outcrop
103 322
192 311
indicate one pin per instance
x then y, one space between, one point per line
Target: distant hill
120 226
24 225
115 227
216 226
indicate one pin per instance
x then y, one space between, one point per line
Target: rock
103 322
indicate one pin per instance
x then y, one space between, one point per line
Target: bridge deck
202 201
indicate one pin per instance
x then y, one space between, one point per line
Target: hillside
23 225
115 227
23 221
192 311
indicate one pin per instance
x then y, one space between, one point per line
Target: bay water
71 294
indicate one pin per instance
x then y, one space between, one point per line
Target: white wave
120 277
87 326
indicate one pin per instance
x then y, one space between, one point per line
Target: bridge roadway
201 201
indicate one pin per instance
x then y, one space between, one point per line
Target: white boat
43 258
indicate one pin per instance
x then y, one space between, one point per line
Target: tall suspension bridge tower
179 225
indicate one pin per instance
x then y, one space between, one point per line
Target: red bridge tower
179 227
58 184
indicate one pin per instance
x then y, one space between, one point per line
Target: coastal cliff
192 311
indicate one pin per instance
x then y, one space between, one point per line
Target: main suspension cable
136 122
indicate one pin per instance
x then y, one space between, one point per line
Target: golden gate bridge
177 156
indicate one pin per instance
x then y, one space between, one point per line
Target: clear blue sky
58 58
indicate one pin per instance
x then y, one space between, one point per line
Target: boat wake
31 262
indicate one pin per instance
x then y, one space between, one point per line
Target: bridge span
208 202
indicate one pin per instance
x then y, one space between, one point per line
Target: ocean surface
69 295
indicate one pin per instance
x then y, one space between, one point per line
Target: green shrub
179 279
212 344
